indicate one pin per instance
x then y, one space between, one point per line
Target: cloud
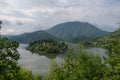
3 3
19 23
7 31
21 14
32 3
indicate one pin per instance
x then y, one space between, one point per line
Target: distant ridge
69 31
75 31
33 36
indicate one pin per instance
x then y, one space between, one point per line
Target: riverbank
40 64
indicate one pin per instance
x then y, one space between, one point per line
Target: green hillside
105 40
33 36
115 34
69 31
75 31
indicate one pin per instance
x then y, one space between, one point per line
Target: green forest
75 67
47 46
9 67
82 66
59 39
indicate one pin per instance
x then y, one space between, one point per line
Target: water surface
40 64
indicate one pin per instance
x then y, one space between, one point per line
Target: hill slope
33 36
71 31
115 34
104 40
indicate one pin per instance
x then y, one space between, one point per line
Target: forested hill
71 31
115 34
104 40
33 36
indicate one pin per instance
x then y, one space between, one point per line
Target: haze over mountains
69 31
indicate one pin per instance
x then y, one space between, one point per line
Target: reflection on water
41 64
36 63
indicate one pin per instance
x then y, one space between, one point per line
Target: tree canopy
9 68
84 66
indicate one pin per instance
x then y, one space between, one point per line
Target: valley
70 46
59 39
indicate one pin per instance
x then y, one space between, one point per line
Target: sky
20 16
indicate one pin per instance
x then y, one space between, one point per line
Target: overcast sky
21 16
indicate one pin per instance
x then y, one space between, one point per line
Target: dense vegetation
88 67
9 68
47 46
75 67
81 66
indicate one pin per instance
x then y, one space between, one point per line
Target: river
40 64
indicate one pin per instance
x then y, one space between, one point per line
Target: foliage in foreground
75 67
80 67
9 68
112 71
88 67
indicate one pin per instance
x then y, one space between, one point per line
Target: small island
47 46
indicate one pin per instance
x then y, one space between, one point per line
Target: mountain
69 31
33 36
75 31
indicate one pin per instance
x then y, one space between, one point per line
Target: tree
88 67
77 67
112 64
8 58
9 68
